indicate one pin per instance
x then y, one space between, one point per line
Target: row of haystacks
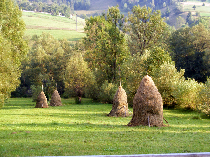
147 105
42 100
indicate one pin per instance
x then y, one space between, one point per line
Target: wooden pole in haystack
41 101
120 105
147 105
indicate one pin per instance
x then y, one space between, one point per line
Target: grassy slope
59 27
86 130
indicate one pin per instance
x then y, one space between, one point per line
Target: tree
145 28
189 46
180 22
105 44
167 13
189 19
13 47
77 75
156 63
194 7
46 62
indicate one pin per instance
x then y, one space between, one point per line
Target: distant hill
102 4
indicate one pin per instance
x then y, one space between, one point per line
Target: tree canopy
190 46
145 28
13 48
105 45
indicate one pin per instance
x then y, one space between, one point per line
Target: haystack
41 101
55 99
120 105
147 105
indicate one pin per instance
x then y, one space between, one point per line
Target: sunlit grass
58 27
57 34
85 129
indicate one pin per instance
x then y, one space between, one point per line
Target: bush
132 73
166 80
92 91
204 105
107 92
1 100
35 91
186 93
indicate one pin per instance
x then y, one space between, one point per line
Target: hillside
59 27
102 4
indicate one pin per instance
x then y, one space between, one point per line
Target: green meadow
85 129
59 27
203 10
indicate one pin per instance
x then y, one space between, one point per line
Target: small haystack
147 105
120 105
41 101
55 99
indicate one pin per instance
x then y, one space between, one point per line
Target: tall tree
78 76
145 28
105 44
189 46
13 47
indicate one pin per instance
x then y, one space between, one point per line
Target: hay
55 99
41 101
120 105
147 105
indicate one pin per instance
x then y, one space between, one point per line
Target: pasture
85 129
203 10
59 27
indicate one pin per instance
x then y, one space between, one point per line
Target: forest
116 49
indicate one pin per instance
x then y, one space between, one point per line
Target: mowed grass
85 129
59 27
203 10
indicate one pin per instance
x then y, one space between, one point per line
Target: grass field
86 130
59 27
203 10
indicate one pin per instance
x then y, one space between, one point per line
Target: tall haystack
41 101
147 105
120 105
55 99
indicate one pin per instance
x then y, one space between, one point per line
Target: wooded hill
176 12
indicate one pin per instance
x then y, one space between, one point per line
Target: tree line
120 49
65 7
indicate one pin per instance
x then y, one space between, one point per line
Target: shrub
186 93
132 73
107 92
92 91
204 105
1 100
166 80
35 92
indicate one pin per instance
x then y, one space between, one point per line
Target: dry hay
41 101
55 99
120 105
147 105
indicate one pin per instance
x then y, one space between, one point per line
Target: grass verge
86 130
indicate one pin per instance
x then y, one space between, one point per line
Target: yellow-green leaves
146 28
12 47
